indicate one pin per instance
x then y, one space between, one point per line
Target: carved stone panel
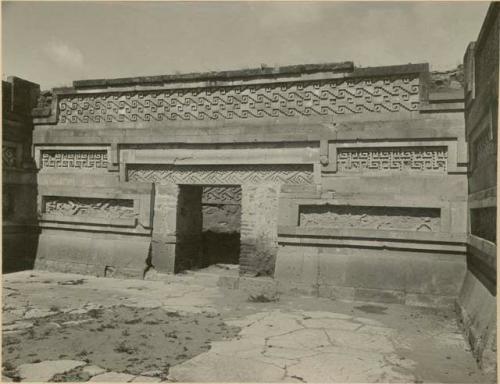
9 156
221 195
358 217
89 207
291 99
406 159
74 159
222 174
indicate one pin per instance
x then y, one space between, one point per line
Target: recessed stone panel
89 207
360 217
74 159
221 174
396 159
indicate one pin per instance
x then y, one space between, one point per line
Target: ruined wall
102 228
477 301
19 193
295 139
388 221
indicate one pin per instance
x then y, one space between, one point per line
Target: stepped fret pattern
409 159
221 195
222 174
294 99
75 159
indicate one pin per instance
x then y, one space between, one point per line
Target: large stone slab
46 370
211 367
113 377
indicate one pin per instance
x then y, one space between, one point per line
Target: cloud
64 55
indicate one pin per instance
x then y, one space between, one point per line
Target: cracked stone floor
63 327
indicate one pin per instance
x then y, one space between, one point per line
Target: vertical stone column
259 229
163 242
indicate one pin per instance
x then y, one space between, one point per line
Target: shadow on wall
18 251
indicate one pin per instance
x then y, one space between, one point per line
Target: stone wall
477 301
19 223
259 216
103 228
356 139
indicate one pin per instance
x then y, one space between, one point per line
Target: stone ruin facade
338 181
342 182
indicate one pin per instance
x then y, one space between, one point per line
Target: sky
54 43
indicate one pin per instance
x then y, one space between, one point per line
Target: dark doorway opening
208 226
221 208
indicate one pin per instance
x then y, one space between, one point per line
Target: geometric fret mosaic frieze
221 195
222 174
291 99
75 159
409 159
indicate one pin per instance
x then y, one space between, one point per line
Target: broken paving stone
76 322
46 370
113 377
153 373
79 311
38 313
146 379
93 370
18 326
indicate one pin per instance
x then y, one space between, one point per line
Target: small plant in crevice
124 348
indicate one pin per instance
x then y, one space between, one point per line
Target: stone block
229 282
83 251
336 292
430 301
163 256
256 286
296 288
477 309
297 265
379 295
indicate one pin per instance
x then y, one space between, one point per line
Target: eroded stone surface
292 340
45 370
93 370
112 377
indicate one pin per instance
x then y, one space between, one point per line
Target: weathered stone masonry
19 222
477 301
319 152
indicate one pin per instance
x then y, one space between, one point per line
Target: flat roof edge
347 66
